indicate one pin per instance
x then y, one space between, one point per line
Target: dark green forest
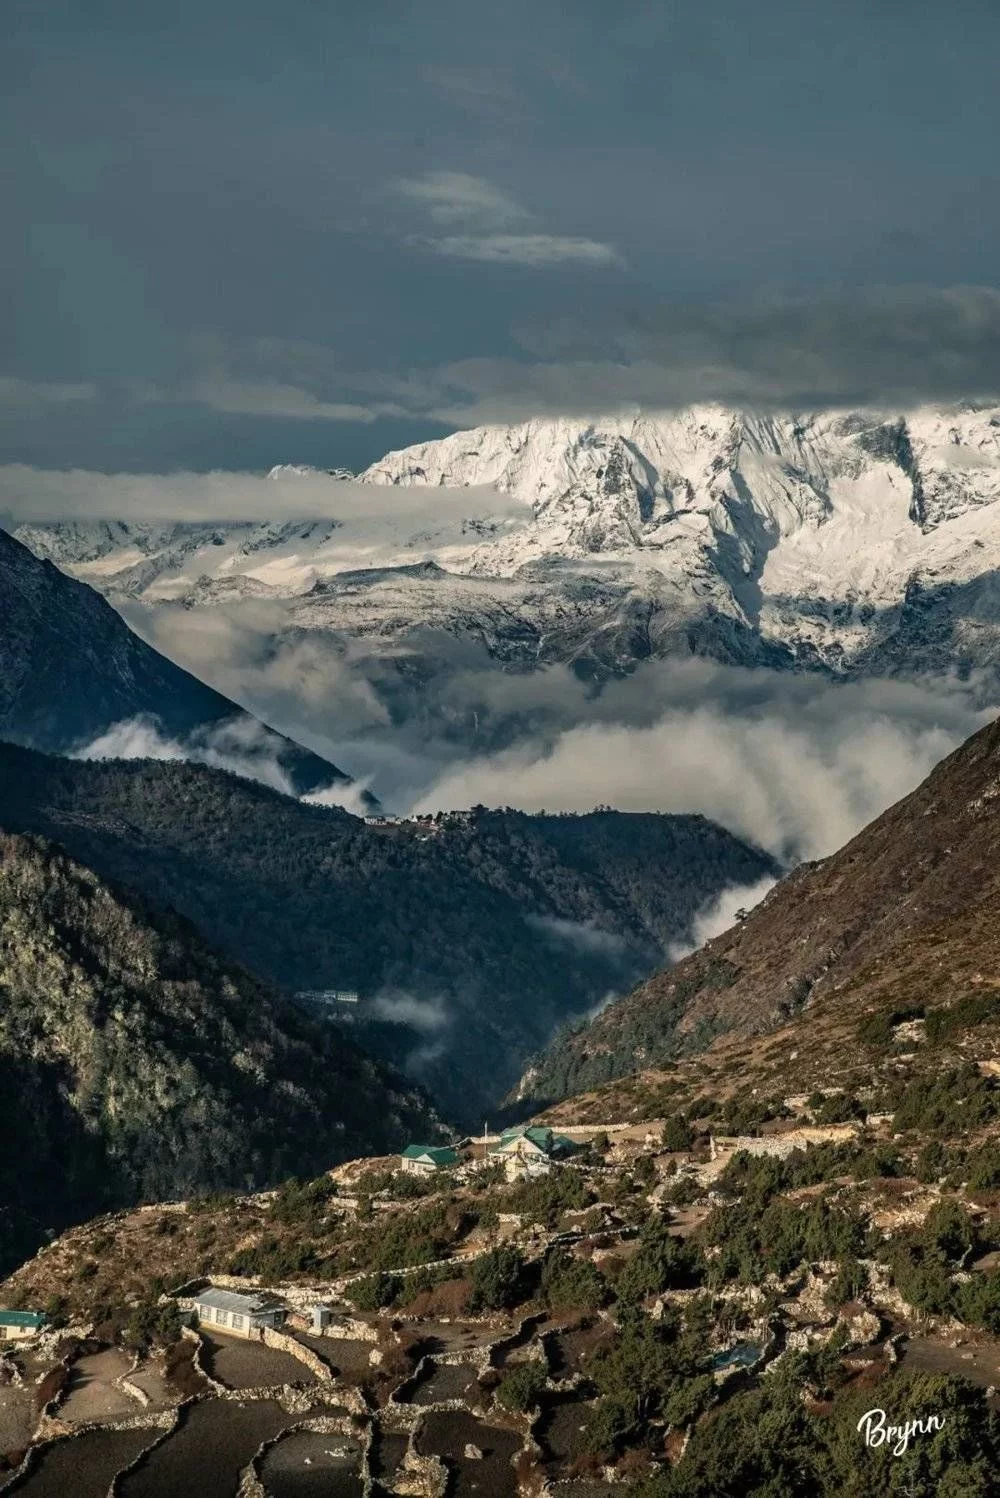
471 940
137 1065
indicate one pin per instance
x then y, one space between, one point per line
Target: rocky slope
844 541
70 670
136 1063
470 940
901 919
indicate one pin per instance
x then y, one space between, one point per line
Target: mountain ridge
902 916
470 938
71 670
816 541
138 1063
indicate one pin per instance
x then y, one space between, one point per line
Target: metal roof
230 1300
22 1318
440 1154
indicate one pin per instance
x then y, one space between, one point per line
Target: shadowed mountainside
137 1064
70 668
470 940
904 915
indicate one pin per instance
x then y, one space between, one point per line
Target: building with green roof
15 1326
530 1151
425 1159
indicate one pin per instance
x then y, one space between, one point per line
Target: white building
239 1315
17 1326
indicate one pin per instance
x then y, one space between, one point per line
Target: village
457 1348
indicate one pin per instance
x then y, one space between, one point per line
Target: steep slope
904 917
844 541
136 1063
70 669
470 939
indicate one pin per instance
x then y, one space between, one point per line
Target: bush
947 1103
983 1167
572 1283
661 1262
374 1292
974 1009
153 1322
498 1280
838 1107
677 1133
849 1283
521 1388
876 1029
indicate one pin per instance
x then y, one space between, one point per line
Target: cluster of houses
525 1152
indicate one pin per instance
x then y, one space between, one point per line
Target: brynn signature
896 1437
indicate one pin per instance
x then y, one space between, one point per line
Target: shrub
677 1133
521 1388
572 1283
983 1167
838 1107
374 1292
974 1009
661 1261
498 1280
152 1322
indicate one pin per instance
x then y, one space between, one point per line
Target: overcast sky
239 232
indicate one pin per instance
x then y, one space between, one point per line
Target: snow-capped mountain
847 541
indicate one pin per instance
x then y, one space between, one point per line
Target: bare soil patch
92 1393
306 1465
243 1364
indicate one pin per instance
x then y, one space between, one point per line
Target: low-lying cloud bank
238 745
792 761
28 493
796 764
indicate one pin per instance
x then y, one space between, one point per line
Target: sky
244 233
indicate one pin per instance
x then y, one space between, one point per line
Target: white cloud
238 397
241 746
487 215
461 199
348 796
28 493
795 764
721 913
524 249
397 1007
583 936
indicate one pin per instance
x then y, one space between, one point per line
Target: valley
780 1226
470 939
477 1151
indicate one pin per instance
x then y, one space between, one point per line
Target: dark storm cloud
402 189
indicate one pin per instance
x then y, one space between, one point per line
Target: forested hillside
137 1064
469 940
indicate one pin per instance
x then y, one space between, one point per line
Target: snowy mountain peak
810 538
